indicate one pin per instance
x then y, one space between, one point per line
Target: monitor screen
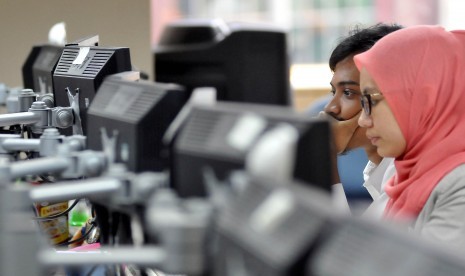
220 137
135 114
82 69
243 62
39 66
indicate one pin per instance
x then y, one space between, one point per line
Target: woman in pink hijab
413 93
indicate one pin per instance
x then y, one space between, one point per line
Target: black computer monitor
38 68
289 229
270 228
361 247
83 69
204 141
243 62
136 114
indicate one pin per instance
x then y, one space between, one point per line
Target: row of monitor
138 114
243 63
246 65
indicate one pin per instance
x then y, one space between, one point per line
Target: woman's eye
332 92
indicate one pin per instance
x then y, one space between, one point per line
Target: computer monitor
136 115
270 228
39 66
360 247
83 69
291 230
210 136
243 62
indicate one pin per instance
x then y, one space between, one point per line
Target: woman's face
381 126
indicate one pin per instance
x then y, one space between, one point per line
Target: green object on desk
78 218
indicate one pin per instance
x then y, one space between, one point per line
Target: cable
59 214
68 242
46 179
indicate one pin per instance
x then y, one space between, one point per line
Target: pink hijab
421 72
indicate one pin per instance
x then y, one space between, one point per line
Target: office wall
23 23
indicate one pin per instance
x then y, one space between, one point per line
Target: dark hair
360 40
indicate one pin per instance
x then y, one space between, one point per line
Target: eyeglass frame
367 98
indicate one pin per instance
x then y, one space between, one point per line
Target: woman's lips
372 139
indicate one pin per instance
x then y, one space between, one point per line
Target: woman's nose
365 120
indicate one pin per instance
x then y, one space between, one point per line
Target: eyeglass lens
366 103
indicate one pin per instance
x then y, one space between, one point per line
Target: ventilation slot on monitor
140 106
66 60
197 132
97 63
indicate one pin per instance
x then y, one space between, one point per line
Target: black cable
59 214
68 242
46 179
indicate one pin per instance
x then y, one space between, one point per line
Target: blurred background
314 27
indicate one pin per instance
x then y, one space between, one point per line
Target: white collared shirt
375 177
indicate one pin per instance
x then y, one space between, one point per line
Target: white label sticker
83 51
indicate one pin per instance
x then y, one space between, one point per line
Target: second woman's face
382 128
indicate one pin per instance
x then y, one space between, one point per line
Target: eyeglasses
368 102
